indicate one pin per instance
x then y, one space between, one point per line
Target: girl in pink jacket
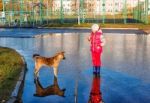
97 42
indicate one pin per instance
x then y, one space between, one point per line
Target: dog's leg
55 71
36 71
36 75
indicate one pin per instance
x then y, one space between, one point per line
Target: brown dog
50 61
50 90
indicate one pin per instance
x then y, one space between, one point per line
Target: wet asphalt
124 74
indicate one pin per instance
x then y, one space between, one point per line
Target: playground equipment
39 12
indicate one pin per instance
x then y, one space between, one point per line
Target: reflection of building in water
50 43
38 44
50 90
95 94
127 54
62 41
71 42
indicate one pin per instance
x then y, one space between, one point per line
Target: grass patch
135 25
10 68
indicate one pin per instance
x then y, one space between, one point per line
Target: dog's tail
35 55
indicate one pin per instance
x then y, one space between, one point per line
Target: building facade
109 7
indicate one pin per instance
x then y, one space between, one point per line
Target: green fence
39 12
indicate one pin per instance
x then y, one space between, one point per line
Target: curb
122 28
147 32
63 28
88 28
19 85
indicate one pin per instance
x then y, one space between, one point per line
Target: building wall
110 7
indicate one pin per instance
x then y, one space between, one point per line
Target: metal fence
39 12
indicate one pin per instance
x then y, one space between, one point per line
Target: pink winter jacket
96 41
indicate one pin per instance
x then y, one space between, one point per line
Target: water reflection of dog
50 90
95 94
48 61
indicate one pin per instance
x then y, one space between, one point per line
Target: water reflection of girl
97 42
95 94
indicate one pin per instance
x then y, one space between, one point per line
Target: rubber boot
98 70
94 69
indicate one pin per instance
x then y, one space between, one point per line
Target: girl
97 41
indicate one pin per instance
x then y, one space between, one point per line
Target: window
103 4
116 4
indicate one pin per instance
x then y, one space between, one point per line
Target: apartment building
96 6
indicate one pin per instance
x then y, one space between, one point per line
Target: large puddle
124 75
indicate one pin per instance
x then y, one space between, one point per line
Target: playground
35 13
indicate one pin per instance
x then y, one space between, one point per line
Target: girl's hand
102 40
89 38
102 44
100 30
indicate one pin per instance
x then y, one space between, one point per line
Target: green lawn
135 25
10 68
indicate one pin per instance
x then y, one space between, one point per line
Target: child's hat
95 27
